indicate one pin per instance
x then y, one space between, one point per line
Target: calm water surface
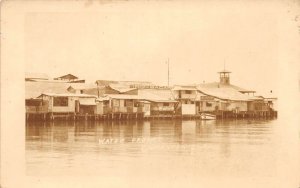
238 148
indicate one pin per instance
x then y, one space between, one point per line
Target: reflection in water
235 148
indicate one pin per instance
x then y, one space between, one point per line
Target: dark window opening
208 104
60 101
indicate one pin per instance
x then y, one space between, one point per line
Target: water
231 148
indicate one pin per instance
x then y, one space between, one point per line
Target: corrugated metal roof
160 95
219 85
35 89
226 93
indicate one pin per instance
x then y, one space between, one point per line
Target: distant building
70 78
35 77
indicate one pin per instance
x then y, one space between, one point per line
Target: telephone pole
168 73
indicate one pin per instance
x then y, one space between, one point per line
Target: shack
69 102
162 101
121 106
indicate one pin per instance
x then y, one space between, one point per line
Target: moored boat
207 116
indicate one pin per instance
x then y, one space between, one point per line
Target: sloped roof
226 93
105 82
68 76
68 95
35 89
199 95
123 96
160 95
80 86
219 85
121 88
267 95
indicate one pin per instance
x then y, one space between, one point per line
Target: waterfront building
222 96
136 99
161 100
187 96
69 102
35 77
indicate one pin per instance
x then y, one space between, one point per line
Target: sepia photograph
112 93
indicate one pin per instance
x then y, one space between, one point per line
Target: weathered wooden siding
188 109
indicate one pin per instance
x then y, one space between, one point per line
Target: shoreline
140 116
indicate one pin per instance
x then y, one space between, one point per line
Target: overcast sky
132 41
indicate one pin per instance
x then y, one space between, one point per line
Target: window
208 104
60 101
128 103
116 102
166 104
188 92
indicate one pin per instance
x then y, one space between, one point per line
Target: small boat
206 116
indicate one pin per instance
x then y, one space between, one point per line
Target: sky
134 40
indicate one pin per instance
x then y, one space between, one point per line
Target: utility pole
168 73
